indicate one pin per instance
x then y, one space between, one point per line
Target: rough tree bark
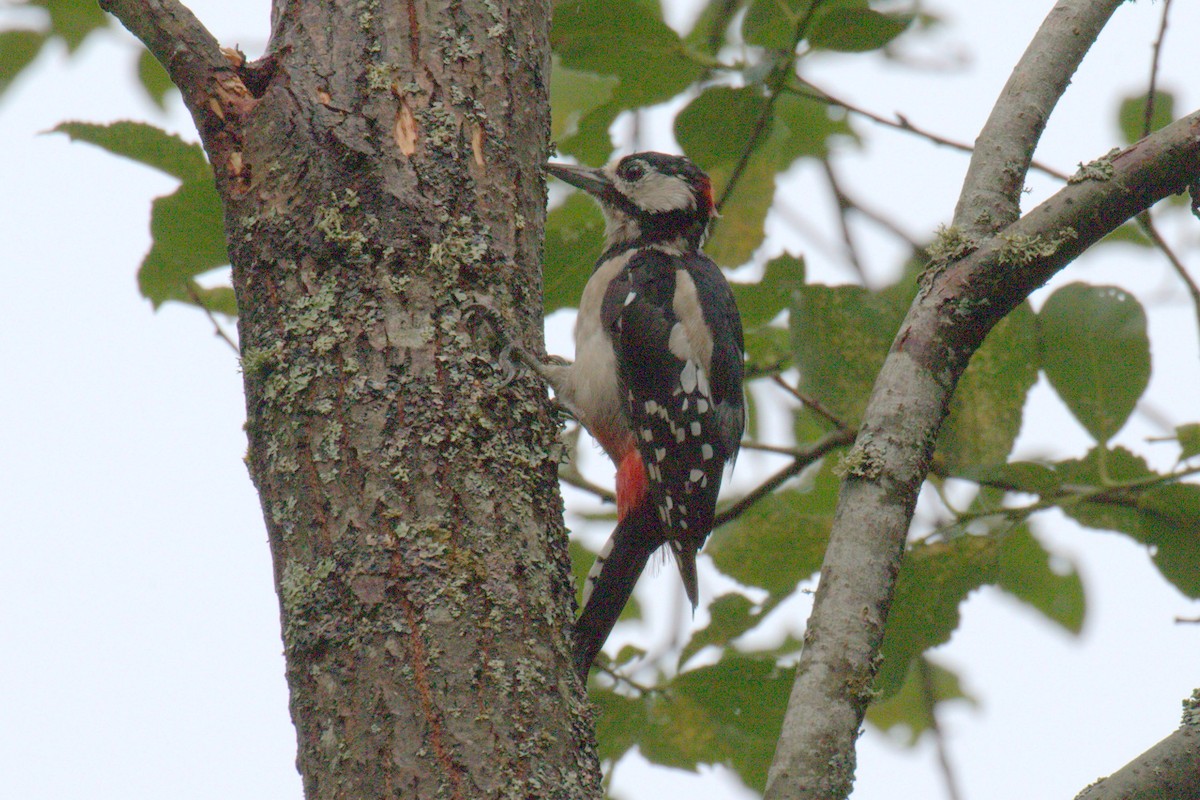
380 170
992 260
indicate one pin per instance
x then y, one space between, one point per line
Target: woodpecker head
647 198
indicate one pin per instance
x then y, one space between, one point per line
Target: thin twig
843 206
902 123
805 456
218 330
575 478
811 402
1147 226
939 741
776 88
1152 88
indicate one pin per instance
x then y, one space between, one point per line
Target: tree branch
1170 768
991 193
957 306
212 88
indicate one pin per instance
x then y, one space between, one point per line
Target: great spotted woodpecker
657 377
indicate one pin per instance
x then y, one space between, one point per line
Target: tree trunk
380 169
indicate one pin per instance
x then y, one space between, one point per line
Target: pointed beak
591 180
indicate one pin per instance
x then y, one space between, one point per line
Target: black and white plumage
657 378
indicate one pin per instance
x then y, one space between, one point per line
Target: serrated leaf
840 337
72 20
1096 470
1170 517
1096 354
187 226
1189 440
574 238
154 79
627 39
912 707
849 26
986 409
188 239
145 144
1024 570
730 616
18 49
780 540
1131 116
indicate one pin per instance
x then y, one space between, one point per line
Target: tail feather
685 559
612 579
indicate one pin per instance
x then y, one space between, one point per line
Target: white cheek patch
657 193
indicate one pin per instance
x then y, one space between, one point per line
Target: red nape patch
707 193
631 483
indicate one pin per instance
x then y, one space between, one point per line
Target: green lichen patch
1021 250
1099 170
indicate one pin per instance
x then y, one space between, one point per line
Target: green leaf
768 351
714 128
1128 233
1017 476
591 142
1131 117
759 303
1189 440
572 95
1096 353
574 238
188 240
1024 570
154 78
798 127
772 23
1098 469
849 26
739 230
840 337
731 616
986 410
1164 516
780 540
934 579
1170 517
912 707
709 33
627 39
18 49
72 20
145 144
728 713
732 713
187 226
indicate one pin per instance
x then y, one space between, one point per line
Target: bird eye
634 172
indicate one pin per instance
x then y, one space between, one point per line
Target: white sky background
139 640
